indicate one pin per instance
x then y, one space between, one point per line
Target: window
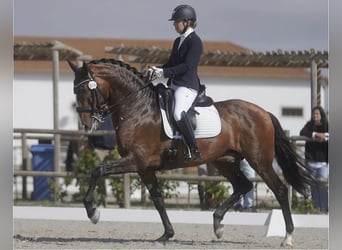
293 111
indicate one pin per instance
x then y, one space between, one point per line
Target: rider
181 69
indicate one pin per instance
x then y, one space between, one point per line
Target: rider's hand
155 73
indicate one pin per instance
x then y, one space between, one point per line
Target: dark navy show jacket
181 67
315 151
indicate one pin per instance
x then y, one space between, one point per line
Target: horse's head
91 97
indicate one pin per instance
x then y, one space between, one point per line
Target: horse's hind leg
151 182
241 186
280 191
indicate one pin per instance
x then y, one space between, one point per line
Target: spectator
246 203
103 144
316 156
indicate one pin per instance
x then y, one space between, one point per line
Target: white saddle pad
208 123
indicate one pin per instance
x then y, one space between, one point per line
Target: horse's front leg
124 165
92 212
150 180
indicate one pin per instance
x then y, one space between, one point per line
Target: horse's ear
72 66
84 66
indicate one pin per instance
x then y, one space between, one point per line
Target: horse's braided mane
123 65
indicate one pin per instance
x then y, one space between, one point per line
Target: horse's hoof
219 231
159 244
96 216
165 237
287 242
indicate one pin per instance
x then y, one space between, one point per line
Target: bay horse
110 87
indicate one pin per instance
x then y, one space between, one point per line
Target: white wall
32 100
270 94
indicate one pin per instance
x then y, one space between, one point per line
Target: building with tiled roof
281 90
96 48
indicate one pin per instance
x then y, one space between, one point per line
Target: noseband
97 110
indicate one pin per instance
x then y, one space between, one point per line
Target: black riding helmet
183 12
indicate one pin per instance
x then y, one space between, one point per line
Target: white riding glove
155 73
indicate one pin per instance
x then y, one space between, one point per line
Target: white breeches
184 97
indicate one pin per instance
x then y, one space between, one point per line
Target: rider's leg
185 127
184 98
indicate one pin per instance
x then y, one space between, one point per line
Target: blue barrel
42 160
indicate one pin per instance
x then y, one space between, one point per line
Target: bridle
97 110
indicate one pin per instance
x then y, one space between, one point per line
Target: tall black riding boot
185 128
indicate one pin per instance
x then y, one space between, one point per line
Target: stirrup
192 155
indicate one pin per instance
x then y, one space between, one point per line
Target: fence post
127 190
25 160
313 84
143 193
290 195
57 136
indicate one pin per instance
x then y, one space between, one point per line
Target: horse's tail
292 165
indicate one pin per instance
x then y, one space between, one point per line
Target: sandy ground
61 234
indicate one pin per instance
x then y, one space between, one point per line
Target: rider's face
179 26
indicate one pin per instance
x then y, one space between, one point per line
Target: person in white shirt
181 71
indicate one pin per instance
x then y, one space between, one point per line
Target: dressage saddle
166 102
